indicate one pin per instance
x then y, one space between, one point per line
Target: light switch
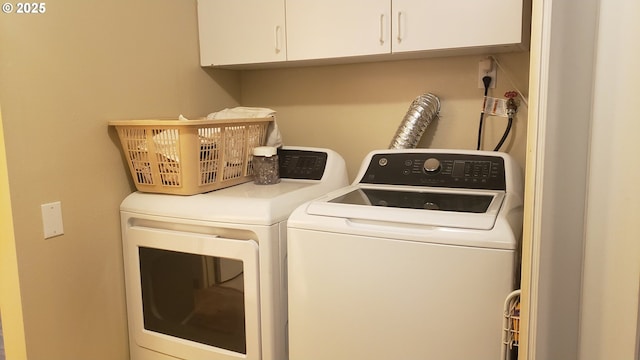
52 219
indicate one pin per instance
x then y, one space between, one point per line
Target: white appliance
205 274
413 261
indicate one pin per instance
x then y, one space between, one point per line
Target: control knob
431 165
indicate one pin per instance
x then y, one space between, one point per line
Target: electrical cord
486 81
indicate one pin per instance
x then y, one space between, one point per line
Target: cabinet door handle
399 26
381 29
277 36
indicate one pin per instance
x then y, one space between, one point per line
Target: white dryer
413 261
205 274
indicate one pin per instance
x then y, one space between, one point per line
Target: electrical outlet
487 67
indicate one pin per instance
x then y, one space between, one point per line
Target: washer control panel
302 164
437 170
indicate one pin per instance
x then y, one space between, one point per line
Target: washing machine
412 261
205 274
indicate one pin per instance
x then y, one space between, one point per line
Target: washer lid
433 207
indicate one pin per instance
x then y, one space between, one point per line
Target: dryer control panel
437 170
302 164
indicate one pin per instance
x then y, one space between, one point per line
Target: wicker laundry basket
190 157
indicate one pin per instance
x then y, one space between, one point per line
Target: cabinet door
453 24
337 28
241 31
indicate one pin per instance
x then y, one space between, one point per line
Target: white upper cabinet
240 32
235 32
421 25
318 29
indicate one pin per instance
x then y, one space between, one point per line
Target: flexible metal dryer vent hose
423 110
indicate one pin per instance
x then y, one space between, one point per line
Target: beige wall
63 74
357 108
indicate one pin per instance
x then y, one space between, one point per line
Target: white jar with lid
265 165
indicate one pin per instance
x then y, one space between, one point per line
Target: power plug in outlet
486 67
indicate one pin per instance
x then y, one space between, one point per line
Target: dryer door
192 295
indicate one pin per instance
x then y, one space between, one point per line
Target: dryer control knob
431 165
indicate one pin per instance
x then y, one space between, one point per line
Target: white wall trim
538 92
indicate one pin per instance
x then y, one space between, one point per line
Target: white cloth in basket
241 112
